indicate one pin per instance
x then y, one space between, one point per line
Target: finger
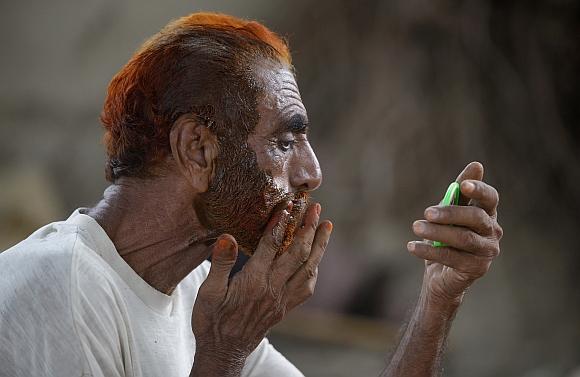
455 236
483 195
319 245
471 217
224 254
473 265
473 170
271 240
297 254
308 272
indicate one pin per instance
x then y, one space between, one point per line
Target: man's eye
285 145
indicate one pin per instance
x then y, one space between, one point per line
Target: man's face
276 165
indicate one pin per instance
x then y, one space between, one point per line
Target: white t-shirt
71 306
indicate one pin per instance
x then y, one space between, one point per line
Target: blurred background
401 95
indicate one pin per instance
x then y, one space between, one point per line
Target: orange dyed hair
201 64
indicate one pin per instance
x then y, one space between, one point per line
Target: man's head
214 98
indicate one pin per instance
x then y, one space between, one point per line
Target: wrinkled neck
154 227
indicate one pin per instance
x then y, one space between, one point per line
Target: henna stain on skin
243 209
254 178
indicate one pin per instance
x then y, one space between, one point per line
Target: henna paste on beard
242 197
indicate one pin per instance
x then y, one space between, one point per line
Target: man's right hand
231 317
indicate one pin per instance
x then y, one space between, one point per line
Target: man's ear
194 148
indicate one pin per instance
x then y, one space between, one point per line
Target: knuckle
257 286
477 213
208 294
498 231
495 194
269 242
310 271
446 212
474 215
482 269
486 222
495 250
323 242
299 256
467 238
446 256
304 251
312 226
307 244
491 251
310 288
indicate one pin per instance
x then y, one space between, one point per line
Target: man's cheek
281 183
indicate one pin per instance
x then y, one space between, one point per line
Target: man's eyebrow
297 124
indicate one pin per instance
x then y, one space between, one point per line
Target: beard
241 199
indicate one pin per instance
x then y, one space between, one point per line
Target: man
208 154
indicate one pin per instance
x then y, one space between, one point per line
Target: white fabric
71 306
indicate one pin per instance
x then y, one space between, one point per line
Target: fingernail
318 209
226 248
411 246
329 226
418 226
468 186
431 213
223 244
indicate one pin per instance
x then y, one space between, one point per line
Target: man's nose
307 174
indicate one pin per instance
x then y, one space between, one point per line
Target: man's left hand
471 234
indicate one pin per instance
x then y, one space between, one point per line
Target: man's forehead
279 89
280 100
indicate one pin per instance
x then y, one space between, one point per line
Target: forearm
214 365
420 350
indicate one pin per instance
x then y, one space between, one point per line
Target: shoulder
35 306
45 271
60 305
45 274
47 263
39 267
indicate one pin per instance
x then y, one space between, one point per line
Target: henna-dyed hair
201 64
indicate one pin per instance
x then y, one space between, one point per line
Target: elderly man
208 154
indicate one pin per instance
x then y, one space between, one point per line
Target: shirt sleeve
266 361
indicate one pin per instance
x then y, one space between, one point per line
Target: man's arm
421 347
472 244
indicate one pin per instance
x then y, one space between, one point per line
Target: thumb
473 170
223 258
